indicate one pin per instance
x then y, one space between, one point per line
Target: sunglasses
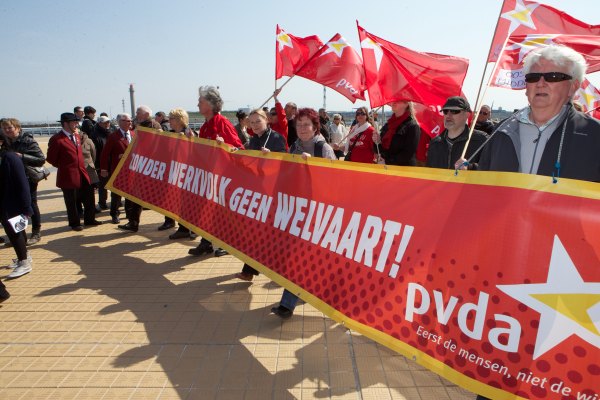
533 77
360 113
453 112
484 113
274 114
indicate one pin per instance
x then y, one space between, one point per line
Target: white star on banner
336 47
567 305
284 40
521 15
530 43
368 43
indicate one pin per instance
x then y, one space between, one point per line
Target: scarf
393 123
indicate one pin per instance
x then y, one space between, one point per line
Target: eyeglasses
274 114
304 126
533 77
484 113
360 113
453 112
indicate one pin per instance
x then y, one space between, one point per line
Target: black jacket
442 154
26 145
87 125
276 142
580 156
486 126
15 198
403 148
99 137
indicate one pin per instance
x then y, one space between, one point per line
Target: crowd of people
548 137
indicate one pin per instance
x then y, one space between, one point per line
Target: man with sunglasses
549 137
484 120
446 149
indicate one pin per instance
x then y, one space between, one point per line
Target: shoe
93 223
33 239
201 250
23 267
128 227
115 220
1 240
282 312
220 252
179 235
15 262
4 295
102 206
98 209
193 235
166 226
244 277
8 244
77 228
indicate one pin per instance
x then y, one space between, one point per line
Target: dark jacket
276 142
99 137
403 148
580 155
486 126
444 154
87 125
26 145
15 198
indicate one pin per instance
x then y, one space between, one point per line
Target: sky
59 54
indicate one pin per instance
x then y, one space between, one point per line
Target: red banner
491 280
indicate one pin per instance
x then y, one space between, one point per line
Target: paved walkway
111 315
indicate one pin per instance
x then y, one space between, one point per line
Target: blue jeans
288 300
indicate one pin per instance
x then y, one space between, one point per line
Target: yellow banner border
504 179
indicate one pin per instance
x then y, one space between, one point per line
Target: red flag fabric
292 52
522 17
509 71
394 73
588 96
338 66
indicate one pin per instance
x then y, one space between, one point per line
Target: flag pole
476 113
488 56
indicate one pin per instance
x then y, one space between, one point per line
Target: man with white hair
143 117
549 137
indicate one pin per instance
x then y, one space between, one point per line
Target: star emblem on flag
567 304
530 43
283 40
587 95
368 43
521 15
337 47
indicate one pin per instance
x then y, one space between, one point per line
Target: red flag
338 66
522 17
588 96
394 72
509 72
293 52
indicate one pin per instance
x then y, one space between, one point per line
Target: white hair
559 55
123 115
145 109
212 95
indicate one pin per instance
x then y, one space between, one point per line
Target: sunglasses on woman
533 77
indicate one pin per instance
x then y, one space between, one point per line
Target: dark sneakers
282 312
166 225
220 252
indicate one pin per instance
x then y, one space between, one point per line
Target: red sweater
218 125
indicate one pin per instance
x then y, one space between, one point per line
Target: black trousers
86 194
115 203
18 240
102 192
133 211
36 217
